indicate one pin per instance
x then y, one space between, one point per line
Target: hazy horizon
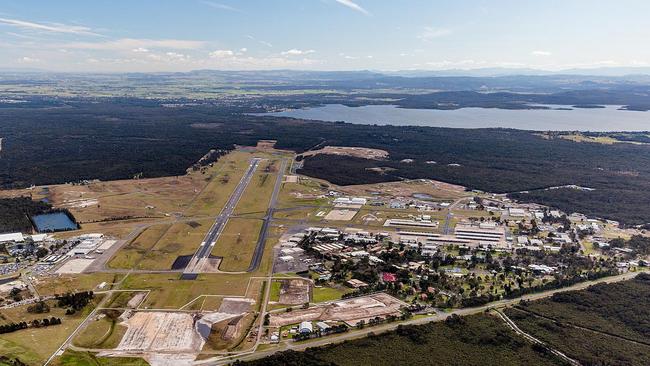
325 35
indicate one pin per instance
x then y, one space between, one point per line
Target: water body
56 221
607 119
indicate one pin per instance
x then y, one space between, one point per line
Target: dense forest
124 137
606 324
472 340
15 213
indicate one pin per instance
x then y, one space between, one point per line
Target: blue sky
182 35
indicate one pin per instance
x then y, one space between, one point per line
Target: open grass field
275 291
20 314
74 283
34 345
132 253
211 303
180 239
322 294
104 332
74 358
169 292
237 244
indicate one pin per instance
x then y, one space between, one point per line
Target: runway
211 237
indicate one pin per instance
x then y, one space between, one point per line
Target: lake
610 118
56 221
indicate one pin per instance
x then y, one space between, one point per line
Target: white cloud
126 44
430 33
140 50
352 5
175 56
541 53
296 52
222 54
49 27
28 60
220 6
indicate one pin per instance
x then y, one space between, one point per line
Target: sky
184 35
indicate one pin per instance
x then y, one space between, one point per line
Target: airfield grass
180 239
120 299
76 358
305 192
129 255
113 228
257 196
225 177
168 291
236 244
303 213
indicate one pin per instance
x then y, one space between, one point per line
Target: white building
12 238
306 327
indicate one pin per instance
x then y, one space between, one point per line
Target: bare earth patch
357 152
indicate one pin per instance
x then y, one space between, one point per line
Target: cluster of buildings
19 244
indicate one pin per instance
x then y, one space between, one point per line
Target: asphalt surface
211 237
261 240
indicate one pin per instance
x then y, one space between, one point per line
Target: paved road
261 240
211 237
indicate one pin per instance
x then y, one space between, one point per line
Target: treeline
15 213
36 323
640 244
74 301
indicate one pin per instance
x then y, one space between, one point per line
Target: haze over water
610 118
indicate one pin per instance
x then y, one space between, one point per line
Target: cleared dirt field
341 215
350 311
437 190
358 152
294 292
160 331
237 244
74 266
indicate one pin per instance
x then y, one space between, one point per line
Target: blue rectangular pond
56 221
